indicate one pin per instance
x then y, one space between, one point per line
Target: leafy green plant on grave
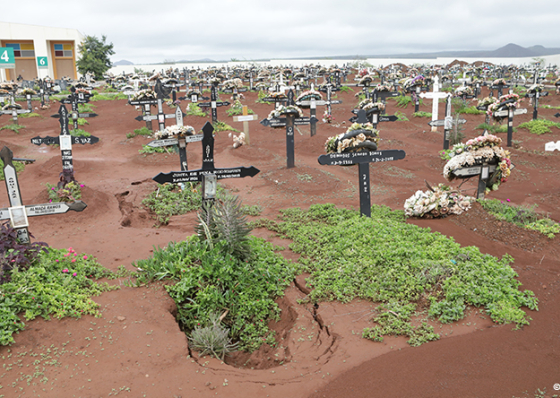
401 117
494 128
550 107
345 89
212 338
210 279
251 210
221 126
82 121
194 110
262 94
79 132
468 110
108 97
170 200
30 114
70 192
237 109
523 216
14 127
14 254
404 100
148 150
539 126
422 114
144 131
383 259
86 108
456 134
19 166
57 283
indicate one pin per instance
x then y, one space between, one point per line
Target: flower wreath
309 95
359 137
464 90
482 149
368 104
174 130
28 91
508 100
144 95
438 201
275 113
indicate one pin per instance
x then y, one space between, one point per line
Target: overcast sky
152 31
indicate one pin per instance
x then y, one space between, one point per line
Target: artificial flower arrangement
363 73
366 80
368 105
215 81
464 90
83 91
438 201
479 150
413 82
28 91
233 83
359 137
277 94
309 95
486 101
147 94
535 87
499 82
10 107
175 130
383 87
327 117
508 100
275 113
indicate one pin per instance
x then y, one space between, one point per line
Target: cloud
147 32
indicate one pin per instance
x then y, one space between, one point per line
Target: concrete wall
41 37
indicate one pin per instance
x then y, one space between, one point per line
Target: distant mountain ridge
122 62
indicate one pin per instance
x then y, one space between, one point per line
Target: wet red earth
136 349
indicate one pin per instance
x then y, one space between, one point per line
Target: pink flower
508 200
65 270
74 274
73 260
75 254
56 261
82 185
85 257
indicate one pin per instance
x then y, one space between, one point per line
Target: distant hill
122 62
508 51
197 60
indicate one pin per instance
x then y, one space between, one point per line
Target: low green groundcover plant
144 131
386 260
170 200
494 128
422 114
539 126
71 192
209 280
221 126
80 132
523 216
14 127
30 114
58 283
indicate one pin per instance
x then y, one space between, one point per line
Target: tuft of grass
170 200
14 127
30 114
19 166
345 89
401 117
422 114
539 126
79 132
494 128
522 216
144 131
194 110
221 126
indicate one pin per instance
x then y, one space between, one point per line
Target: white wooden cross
435 96
551 146
245 118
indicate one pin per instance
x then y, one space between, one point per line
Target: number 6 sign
42 62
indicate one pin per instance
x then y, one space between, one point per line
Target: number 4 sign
42 62
7 60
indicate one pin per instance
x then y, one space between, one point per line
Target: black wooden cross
313 103
208 168
180 141
289 121
362 159
536 94
17 213
502 111
213 104
160 116
65 140
415 93
500 87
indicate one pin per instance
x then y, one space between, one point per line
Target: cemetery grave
137 323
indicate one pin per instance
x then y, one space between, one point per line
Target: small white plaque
65 142
18 217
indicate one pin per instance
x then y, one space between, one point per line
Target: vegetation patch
539 126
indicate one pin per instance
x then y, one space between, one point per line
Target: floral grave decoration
415 81
11 107
485 102
499 82
28 91
309 95
233 83
366 80
282 110
174 131
479 150
505 101
327 117
463 90
359 137
146 94
438 201
369 105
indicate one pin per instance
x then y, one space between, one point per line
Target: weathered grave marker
14 110
289 121
447 123
65 140
17 213
213 104
536 94
362 159
208 168
245 118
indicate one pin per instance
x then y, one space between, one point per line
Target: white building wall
41 36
